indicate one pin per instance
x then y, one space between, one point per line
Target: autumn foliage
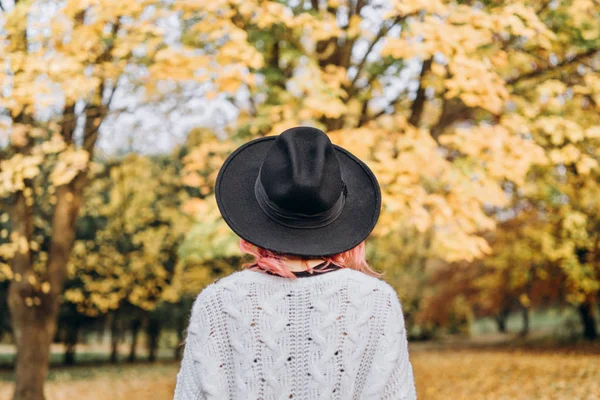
481 121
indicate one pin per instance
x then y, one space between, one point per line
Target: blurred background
481 120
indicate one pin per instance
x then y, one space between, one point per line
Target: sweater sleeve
391 373
189 378
400 385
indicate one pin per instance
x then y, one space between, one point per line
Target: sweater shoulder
372 281
379 284
208 294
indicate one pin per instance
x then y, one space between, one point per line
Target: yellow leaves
45 287
5 272
521 20
273 13
438 70
524 300
56 144
15 23
472 41
85 45
204 160
31 279
422 190
559 129
353 29
593 132
419 217
499 59
70 59
583 16
173 64
317 92
19 134
325 107
475 85
233 53
321 29
409 7
140 202
230 80
335 75
575 224
456 245
74 296
501 152
15 170
196 207
551 88
70 162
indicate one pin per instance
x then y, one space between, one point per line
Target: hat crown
301 173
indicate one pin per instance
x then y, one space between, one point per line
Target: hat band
298 220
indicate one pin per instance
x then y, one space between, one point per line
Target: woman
308 319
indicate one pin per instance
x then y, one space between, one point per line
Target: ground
441 372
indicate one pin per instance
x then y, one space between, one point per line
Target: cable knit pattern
339 335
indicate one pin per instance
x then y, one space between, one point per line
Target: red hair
266 260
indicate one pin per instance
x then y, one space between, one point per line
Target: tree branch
543 7
419 103
380 113
363 114
382 32
452 110
548 68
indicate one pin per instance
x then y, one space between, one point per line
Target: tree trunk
501 323
589 322
71 342
153 331
34 312
135 329
180 328
33 329
501 319
114 338
525 328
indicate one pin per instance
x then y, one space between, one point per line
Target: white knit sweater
339 335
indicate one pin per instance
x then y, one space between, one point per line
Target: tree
453 146
59 76
128 262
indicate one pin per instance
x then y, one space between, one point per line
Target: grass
442 371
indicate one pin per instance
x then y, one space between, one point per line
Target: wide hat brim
234 190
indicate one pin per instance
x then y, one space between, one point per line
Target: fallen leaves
439 374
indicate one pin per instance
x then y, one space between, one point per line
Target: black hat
297 193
